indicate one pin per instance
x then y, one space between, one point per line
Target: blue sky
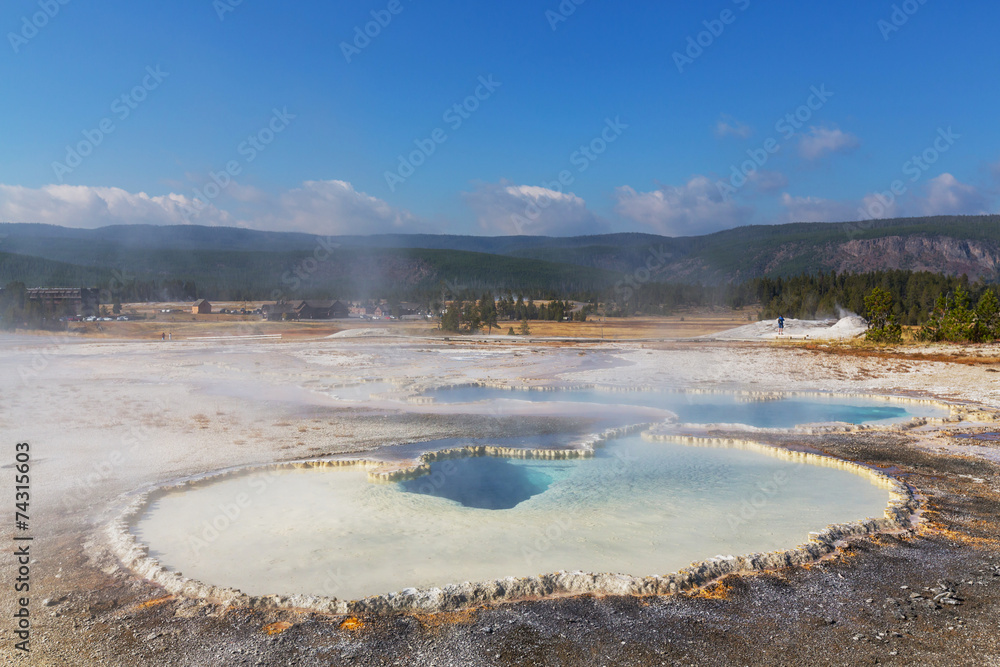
307 127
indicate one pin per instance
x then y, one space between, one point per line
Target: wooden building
278 312
202 307
320 310
80 301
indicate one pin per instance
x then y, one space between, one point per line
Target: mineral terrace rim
900 514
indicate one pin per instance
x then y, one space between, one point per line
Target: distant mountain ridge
952 245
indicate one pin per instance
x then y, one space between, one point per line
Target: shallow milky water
638 507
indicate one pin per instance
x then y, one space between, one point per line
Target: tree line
945 307
952 319
471 316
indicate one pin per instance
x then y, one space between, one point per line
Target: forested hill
231 263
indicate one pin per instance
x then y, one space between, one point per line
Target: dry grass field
182 325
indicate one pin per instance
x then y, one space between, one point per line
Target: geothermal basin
635 505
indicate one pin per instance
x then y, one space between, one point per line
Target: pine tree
987 326
882 324
488 312
452 318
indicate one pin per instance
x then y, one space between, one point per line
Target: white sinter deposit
850 326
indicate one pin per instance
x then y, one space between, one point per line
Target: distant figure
781 325
170 336
163 336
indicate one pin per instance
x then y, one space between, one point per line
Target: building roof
277 308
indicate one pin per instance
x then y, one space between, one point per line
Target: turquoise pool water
482 482
696 408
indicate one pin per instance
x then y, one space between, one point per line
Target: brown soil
970 355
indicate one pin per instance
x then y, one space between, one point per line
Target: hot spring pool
637 507
713 408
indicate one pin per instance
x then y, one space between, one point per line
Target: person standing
781 325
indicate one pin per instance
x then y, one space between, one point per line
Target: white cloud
946 195
328 207
876 205
503 208
820 141
727 126
697 207
83 206
331 207
817 209
942 195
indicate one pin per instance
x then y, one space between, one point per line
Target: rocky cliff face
916 252
941 254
